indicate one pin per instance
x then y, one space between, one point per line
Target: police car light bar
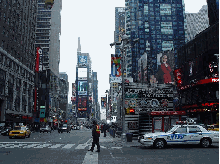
188 121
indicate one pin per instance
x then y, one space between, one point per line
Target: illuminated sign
82 60
82 87
82 72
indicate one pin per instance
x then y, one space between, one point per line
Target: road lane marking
31 146
68 146
90 158
42 146
81 146
20 142
88 141
56 146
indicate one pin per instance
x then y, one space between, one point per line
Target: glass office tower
159 25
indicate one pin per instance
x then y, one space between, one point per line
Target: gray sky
94 22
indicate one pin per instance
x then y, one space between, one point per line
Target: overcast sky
94 22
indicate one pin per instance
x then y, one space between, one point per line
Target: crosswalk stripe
42 146
91 158
68 146
56 146
81 146
31 146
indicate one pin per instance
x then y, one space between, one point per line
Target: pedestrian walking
95 135
104 129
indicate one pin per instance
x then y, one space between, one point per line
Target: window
194 129
181 130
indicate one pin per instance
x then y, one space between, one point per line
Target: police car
182 133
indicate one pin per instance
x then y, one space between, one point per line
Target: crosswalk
43 145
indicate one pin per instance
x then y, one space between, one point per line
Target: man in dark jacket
95 136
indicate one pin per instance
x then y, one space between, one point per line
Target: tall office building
213 11
159 25
95 109
119 26
83 83
17 60
48 40
197 22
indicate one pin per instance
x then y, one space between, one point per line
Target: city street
72 148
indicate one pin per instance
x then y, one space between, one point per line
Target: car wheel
205 142
160 144
10 137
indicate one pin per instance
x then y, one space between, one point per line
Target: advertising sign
165 65
82 60
82 72
82 103
115 68
42 113
103 102
82 87
73 89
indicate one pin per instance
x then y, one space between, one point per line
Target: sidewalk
117 141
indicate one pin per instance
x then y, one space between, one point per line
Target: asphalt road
65 148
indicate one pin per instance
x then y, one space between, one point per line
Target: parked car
20 131
6 130
180 134
76 127
46 128
214 127
64 128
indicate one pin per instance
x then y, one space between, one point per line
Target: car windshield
171 129
64 125
19 128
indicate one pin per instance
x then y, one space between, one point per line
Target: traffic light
132 111
127 111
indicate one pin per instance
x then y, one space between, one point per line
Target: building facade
198 76
48 41
159 25
197 22
17 60
83 84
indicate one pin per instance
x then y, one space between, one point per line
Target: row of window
16 67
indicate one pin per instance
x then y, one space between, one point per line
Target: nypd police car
180 134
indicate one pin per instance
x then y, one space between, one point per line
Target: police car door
195 134
179 135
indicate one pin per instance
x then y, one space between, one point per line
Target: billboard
103 102
82 73
115 68
82 60
82 88
82 103
73 89
165 65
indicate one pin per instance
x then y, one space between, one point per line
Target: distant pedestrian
95 135
104 129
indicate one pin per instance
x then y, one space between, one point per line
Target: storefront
163 120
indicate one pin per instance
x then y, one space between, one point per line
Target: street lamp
126 42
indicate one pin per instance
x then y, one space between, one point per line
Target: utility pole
124 45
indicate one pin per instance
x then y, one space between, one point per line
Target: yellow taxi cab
214 127
20 131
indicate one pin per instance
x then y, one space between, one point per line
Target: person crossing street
95 135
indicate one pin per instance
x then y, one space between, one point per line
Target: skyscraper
197 22
83 83
159 25
17 59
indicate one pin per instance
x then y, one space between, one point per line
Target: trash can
129 137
